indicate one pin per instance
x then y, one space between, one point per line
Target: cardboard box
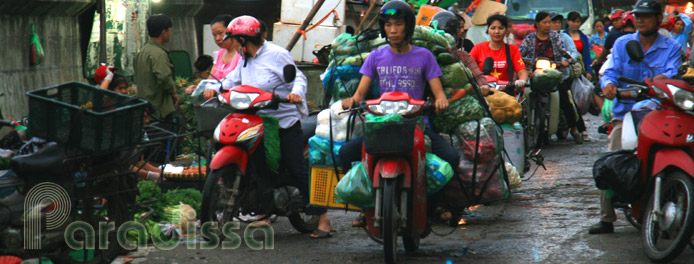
295 11
303 50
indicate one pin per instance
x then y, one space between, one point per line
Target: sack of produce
438 172
319 151
355 188
465 109
505 108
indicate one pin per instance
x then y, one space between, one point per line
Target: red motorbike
665 148
394 158
232 185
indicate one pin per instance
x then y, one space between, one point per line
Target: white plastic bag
582 90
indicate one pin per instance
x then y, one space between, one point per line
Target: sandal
320 234
586 138
360 221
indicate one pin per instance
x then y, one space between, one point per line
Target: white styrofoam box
319 37
295 11
515 147
282 33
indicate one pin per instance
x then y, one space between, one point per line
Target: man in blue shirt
663 54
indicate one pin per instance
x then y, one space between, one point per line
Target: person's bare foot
260 223
324 227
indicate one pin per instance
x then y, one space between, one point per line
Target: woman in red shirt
497 28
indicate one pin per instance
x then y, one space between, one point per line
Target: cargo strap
303 32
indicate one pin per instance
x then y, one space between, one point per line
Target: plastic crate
389 137
323 182
110 120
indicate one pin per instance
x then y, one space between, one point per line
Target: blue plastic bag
438 172
319 151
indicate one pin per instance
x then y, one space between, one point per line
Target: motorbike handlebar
629 80
6 123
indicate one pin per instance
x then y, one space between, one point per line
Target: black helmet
396 9
447 21
647 7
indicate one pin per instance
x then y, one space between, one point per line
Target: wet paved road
545 221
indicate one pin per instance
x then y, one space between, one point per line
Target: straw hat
486 9
468 20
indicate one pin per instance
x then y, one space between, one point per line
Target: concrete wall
63 61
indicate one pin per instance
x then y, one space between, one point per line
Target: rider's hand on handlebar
294 98
347 103
589 77
519 83
610 91
484 89
564 63
441 104
209 94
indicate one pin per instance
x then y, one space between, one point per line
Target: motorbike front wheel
389 228
665 236
215 197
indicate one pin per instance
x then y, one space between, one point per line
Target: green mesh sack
271 139
37 53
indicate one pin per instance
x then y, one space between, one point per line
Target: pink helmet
243 26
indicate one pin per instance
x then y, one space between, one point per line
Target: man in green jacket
154 70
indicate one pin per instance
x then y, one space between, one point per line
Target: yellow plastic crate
322 188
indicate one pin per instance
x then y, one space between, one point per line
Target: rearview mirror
289 73
635 51
488 66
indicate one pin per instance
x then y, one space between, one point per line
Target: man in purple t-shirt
400 67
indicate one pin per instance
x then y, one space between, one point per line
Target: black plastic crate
389 137
109 121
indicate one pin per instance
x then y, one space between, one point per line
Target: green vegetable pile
465 109
166 209
546 78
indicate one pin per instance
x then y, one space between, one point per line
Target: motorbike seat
48 160
11 207
308 126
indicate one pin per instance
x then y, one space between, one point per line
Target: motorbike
232 188
86 196
540 107
665 145
519 94
393 155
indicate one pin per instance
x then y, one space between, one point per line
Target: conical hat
486 9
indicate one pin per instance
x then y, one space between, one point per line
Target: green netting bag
355 188
37 53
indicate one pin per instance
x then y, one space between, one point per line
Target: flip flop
360 221
320 234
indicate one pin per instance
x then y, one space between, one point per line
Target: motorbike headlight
249 133
682 98
542 64
394 107
242 101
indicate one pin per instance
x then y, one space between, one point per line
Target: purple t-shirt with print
407 72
